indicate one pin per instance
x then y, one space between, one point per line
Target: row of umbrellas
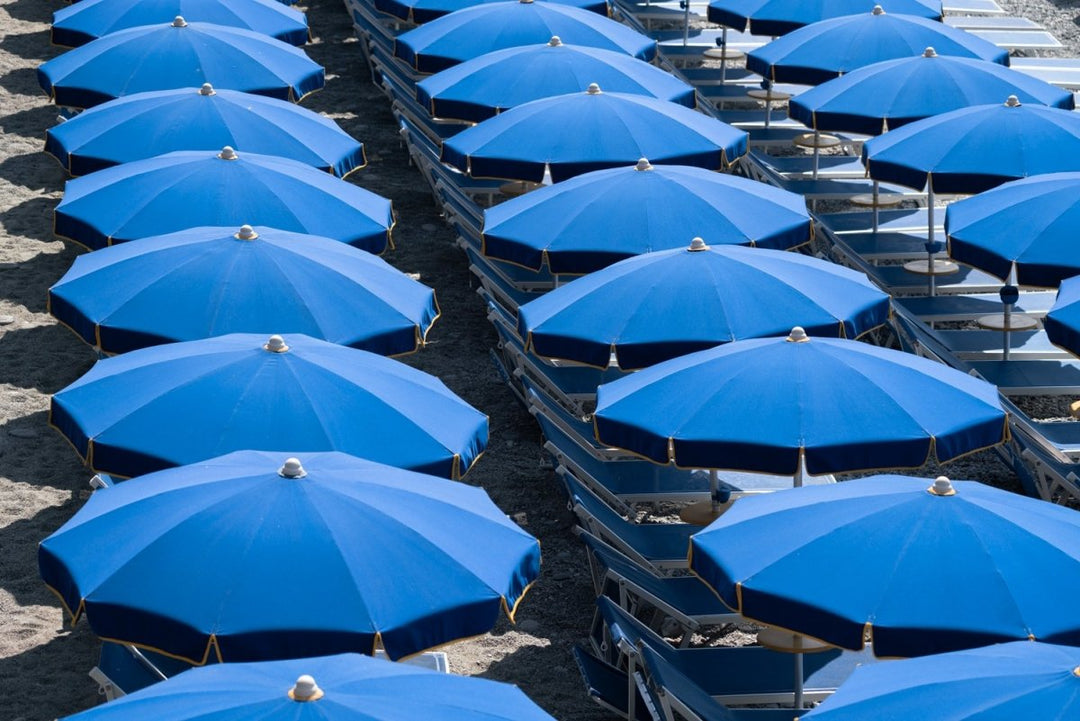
966 421
284 505
652 414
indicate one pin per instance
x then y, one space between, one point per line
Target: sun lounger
899 281
941 309
823 188
1063 72
895 219
800 167
992 22
682 599
659 547
972 7
1013 40
733 675
1017 377
607 686
671 696
986 345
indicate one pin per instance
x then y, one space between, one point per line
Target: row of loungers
638 569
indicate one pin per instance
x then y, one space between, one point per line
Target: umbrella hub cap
942 487
179 22
798 335
246 233
305 688
1012 102
555 41
593 89
878 10
929 53
697 245
643 164
276 344
227 153
1076 672
207 89
292 468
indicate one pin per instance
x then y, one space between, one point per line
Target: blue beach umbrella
831 48
591 221
474 31
205 282
914 566
1026 227
657 306
187 189
424 11
88 20
568 135
346 687
261 556
887 95
185 402
774 405
977 148
1022 679
178 55
480 88
1062 323
779 17
141 126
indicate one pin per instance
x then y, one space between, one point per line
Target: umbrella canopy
483 87
1022 679
346 687
887 95
185 402
424 11
1062 323
89 20
187 189
474 31
661 305
1027 226
141 126
259 556
779 17
178 55
586 223
974 149
568 135
916 569
764 405
205 282
831 48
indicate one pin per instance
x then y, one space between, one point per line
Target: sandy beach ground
43 665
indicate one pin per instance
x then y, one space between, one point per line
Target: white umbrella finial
276 344
179 22
207 89
929 53
555 41
292 468
643 164
1012 102
305 689
246 233
593 89
697 245
798 335
878 10
227 153
942 487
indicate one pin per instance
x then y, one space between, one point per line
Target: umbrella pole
768 104
714 484
1009 295
930 240
723 55
817 149
800 472
876 205
686 25
798 700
